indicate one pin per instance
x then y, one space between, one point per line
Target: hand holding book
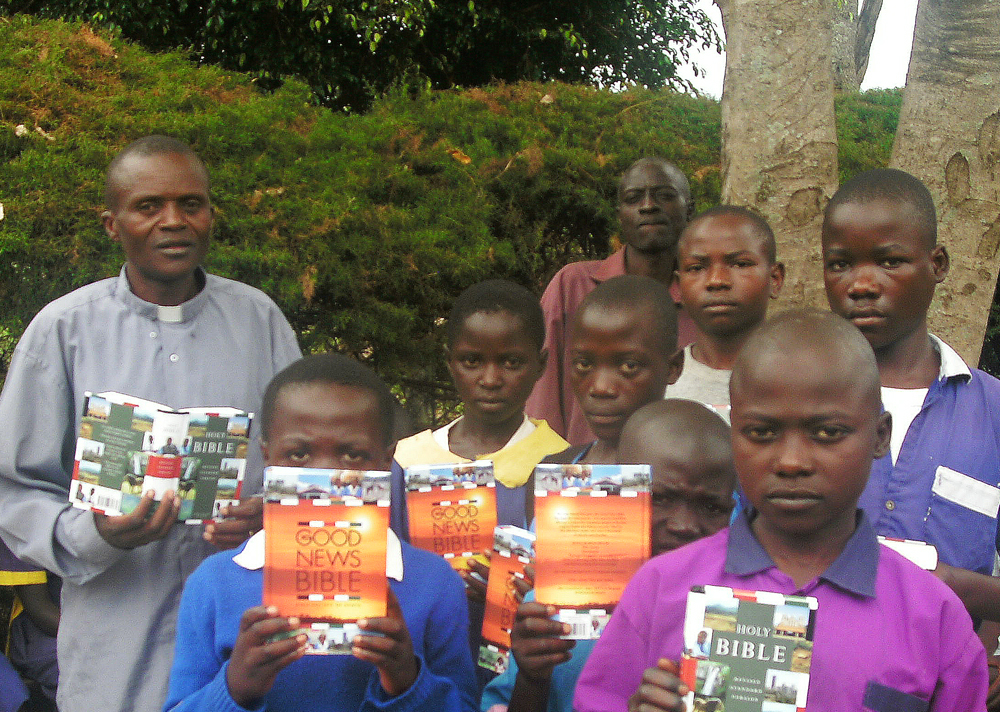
536 641
389 649
264 647
661 689
236 523
129 531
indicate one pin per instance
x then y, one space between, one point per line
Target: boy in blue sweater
323 411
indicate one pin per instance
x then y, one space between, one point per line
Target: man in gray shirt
163 330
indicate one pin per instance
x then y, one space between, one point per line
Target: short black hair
891 185
495 295
763 230
155 145
629 291
336 369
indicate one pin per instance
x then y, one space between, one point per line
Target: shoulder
571 282
918 594
219 573
705 557
427 571
86 297
566 456
229 288
422 449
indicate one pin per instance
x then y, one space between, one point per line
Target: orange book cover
513 549
592 534
325 550
452 509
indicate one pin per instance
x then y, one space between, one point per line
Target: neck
166 294
472 439
602 452
804 556
717 353
910 362
658 265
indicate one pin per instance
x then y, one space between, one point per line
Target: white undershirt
903 404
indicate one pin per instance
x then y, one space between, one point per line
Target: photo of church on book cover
591 535
513 549
452 509
325 540
747 651
129 446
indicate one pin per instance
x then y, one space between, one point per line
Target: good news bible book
747 651
325 542
452 509
513 549
592 533
128 446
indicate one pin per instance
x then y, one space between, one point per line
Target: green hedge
362 227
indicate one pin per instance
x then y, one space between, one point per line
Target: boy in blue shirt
323 411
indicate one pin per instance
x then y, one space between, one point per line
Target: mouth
600 419
712 307
175 247
793 500
863 318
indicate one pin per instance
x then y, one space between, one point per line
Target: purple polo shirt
943 488
889 636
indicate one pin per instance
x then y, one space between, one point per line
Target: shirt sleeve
964 678
446 680
546 399
36 451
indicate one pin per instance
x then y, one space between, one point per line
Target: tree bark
949 137
853 32
779 142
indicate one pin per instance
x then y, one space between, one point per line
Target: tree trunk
949 137
779 142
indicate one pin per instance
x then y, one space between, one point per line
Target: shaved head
673 421
154 145
667 167
799 335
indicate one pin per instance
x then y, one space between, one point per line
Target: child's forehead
493 322
733 232
873 216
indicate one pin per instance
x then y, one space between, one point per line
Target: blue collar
854 570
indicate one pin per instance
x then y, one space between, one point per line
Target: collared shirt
944 488
119 608
924 654
552 399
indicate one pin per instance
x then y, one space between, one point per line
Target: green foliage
350 52
362 227
866 128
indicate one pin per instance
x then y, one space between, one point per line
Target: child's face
879 272
724 275
326 425
692 490
805 430
494 364
617 365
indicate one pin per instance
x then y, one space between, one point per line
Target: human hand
535 641
475 578
129 531
236 524
391 652
660 691
255 661
524 585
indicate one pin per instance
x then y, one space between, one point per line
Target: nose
793 458
171 216
682 522
603 384
719 277
490 376
648 203
864 284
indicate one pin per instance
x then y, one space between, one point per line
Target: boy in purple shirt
807 422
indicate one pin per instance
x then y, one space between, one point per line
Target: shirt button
152 334
889 504
174 358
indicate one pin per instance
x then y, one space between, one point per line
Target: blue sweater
431 596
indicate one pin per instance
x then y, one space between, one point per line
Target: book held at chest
452 509
128 446
592 533
747 651
513 549
325 542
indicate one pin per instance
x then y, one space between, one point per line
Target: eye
631 196
630 367
715 508
582 365
836 265
696 267
664 195
469 361
759 433
661 499
830 433
297 455
192 205
513 363
745 264
354 457
147 206
891 262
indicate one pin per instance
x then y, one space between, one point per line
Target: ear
447 362
675 364
265 451
940 263
777 279
883 432
108 221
